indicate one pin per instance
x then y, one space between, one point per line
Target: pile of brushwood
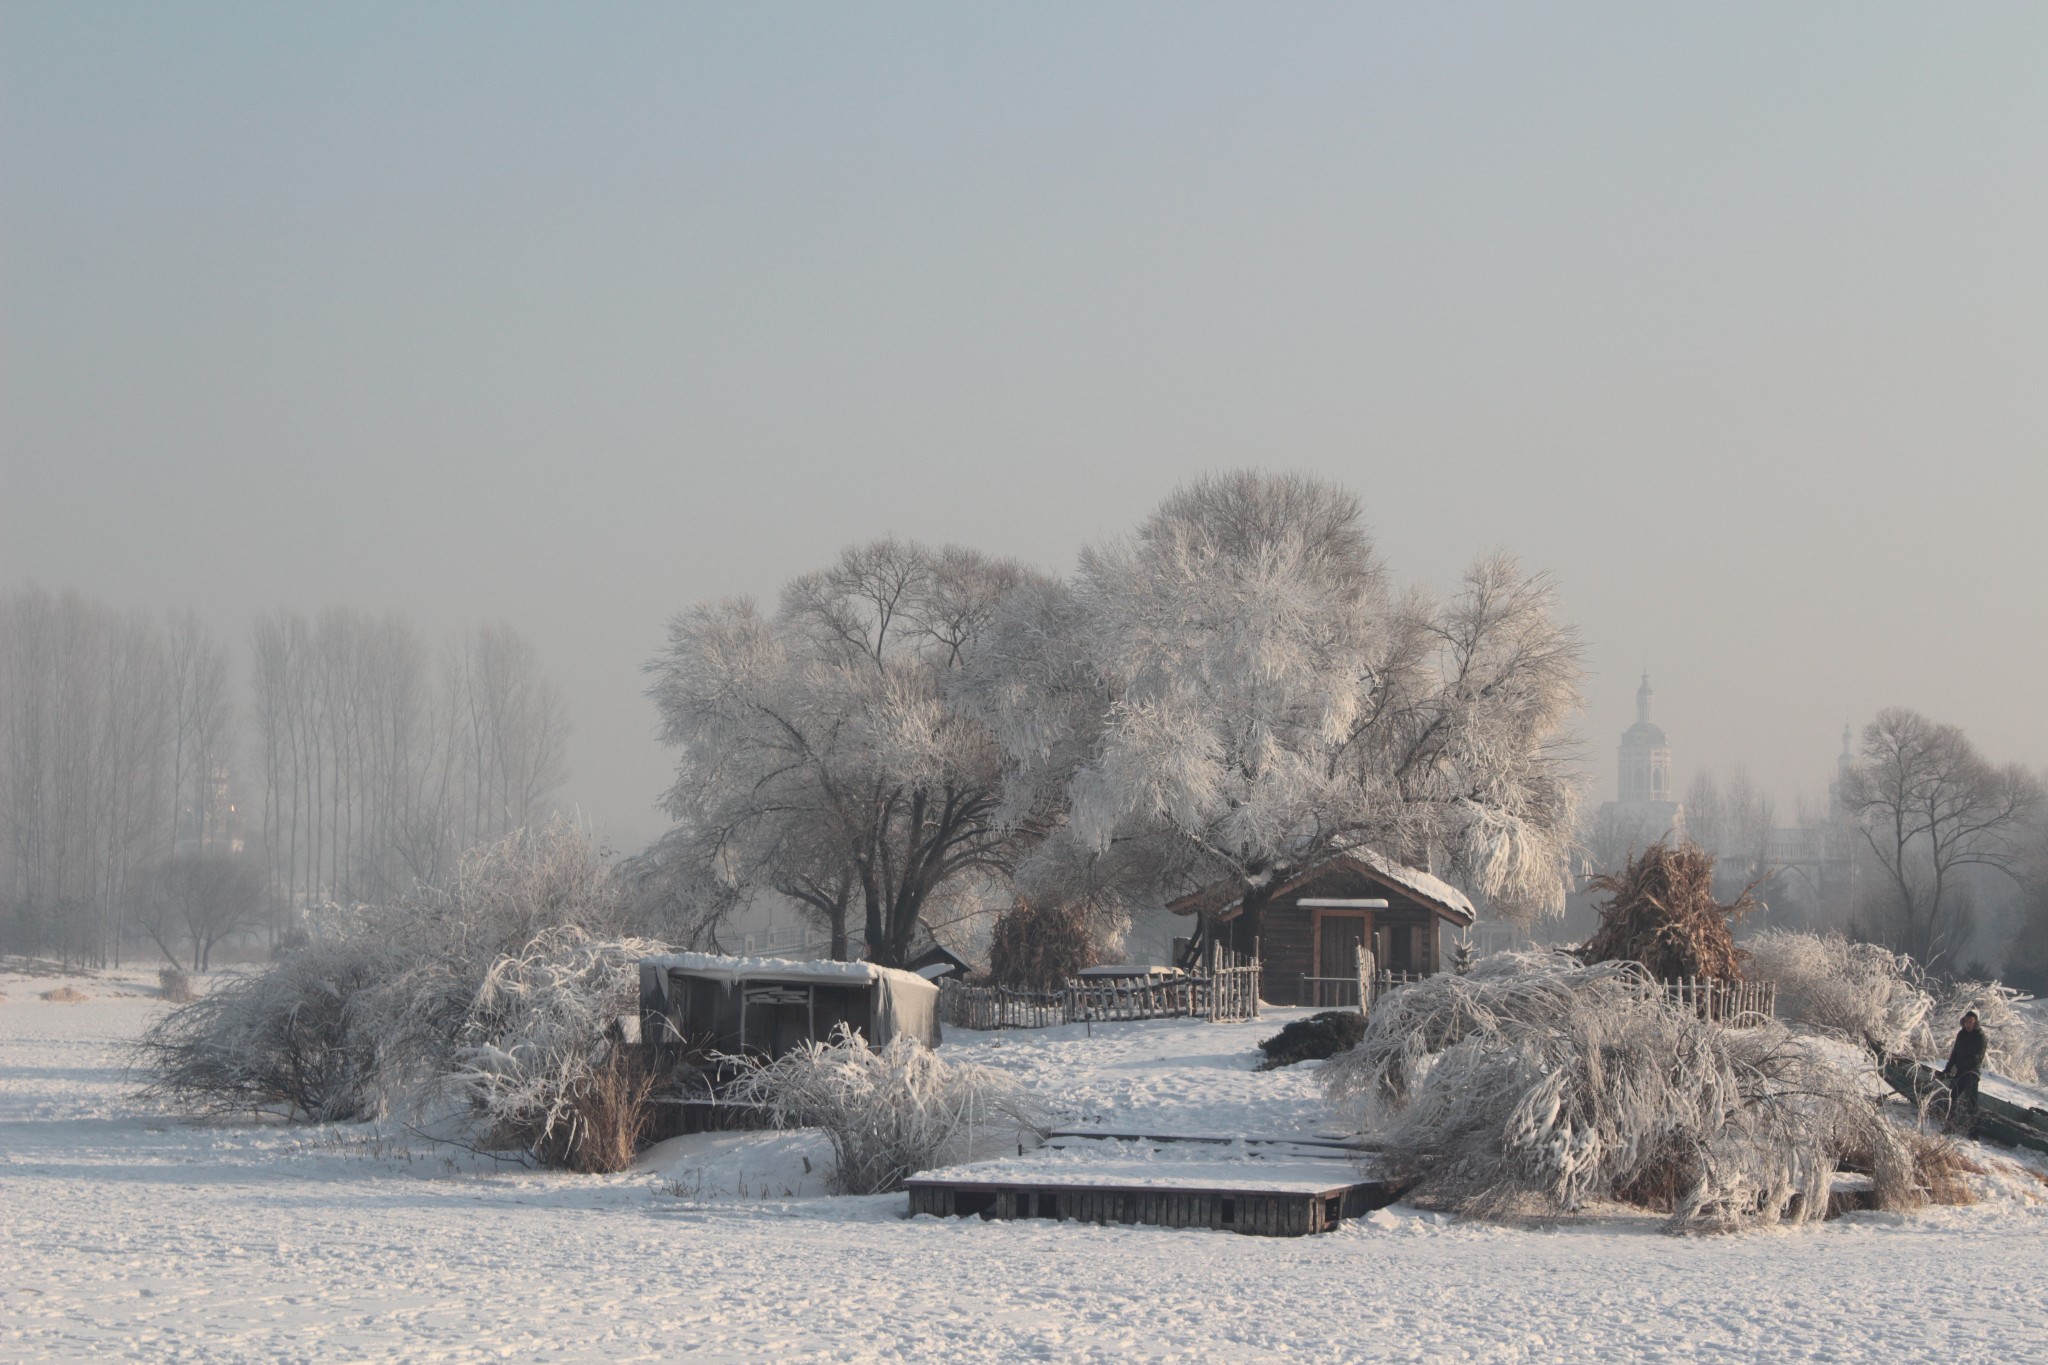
1039 946
1538 1084
1661 912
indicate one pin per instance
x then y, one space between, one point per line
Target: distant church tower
1645 757
1643 810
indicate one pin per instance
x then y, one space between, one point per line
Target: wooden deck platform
1254 1207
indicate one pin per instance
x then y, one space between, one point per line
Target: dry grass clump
604 1118
889 1112
1538 1082
66 995
1939 1167
1661 912
174 986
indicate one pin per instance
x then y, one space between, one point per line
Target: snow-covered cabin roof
735 969
1226 899
1129 969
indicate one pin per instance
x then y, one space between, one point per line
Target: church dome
1642 735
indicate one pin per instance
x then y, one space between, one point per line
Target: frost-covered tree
1236 691
823 752
1931 808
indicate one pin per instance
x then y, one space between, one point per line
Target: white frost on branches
889 1112
1533 1078
1236 692
1870 995
541 1031
822 753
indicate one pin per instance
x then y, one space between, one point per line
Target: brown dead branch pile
1661 912
1039 946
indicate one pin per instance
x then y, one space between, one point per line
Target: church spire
1643 695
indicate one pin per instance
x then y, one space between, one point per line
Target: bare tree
1930 808
199 898
84 782
380 764
1734 824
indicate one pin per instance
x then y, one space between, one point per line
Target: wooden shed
1309 928
763 1007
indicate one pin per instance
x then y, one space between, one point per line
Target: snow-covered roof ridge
741 968
1425 884
1225 898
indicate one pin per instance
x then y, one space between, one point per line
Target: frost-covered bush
1535 1080
889 1112
1871 995
292 1040
448 940
542 1056
1857 990
2018 1047
389 1005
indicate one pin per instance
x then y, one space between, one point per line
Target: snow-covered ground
127 1233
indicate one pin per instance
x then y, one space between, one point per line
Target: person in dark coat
1964 1070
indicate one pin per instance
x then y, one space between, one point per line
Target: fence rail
1229 991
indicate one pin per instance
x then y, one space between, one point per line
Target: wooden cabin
1311 926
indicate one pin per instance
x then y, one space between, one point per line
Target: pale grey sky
1735 317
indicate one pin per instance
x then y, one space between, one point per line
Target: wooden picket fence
1229 991
1736 1004
1732 1004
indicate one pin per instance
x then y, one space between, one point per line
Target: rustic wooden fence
993 1007
1737 1004
1233 983
1229 991
1733 1004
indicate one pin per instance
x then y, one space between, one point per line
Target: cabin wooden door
1338 939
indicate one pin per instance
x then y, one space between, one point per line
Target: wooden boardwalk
1247 1209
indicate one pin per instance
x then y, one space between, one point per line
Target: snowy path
132 1236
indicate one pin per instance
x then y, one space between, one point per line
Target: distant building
1644 809
1816 864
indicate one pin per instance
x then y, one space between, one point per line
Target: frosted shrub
448 941
289 1041
889 1112
1871 995
398 1003
542 1057
1534 1080
1860 991
2018 1046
